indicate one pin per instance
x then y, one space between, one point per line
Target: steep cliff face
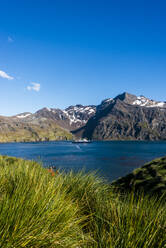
127 117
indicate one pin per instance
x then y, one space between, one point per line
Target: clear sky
57 53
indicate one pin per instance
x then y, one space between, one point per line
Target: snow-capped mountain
126 117
79 114
70 118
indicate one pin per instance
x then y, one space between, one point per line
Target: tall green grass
73 210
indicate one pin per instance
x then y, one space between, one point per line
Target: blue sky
57 53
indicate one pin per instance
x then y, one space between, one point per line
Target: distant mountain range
125 117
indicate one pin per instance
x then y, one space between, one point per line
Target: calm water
112 159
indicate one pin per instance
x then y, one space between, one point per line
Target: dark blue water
111 159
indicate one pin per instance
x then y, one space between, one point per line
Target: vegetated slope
151 178
53 210
41 129
127 117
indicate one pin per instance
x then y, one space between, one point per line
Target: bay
111 159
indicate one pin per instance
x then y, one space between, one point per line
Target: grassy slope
151 178
31 132
42 210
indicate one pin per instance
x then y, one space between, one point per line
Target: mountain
71 118
126 117
151 178
45 124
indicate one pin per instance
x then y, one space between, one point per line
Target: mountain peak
126 97
141 100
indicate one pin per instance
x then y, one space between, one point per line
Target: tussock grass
34 210
150 178
73 210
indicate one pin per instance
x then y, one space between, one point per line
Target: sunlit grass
43 209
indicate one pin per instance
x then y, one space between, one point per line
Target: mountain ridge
124 117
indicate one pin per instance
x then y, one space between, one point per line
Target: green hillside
28 132
150 178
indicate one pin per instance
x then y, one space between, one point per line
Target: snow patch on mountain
108 100
72 118
145 102
23 116
50 110
79 114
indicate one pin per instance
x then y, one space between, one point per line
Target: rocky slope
71 118
151 178
127 117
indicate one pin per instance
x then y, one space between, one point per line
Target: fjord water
112 159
